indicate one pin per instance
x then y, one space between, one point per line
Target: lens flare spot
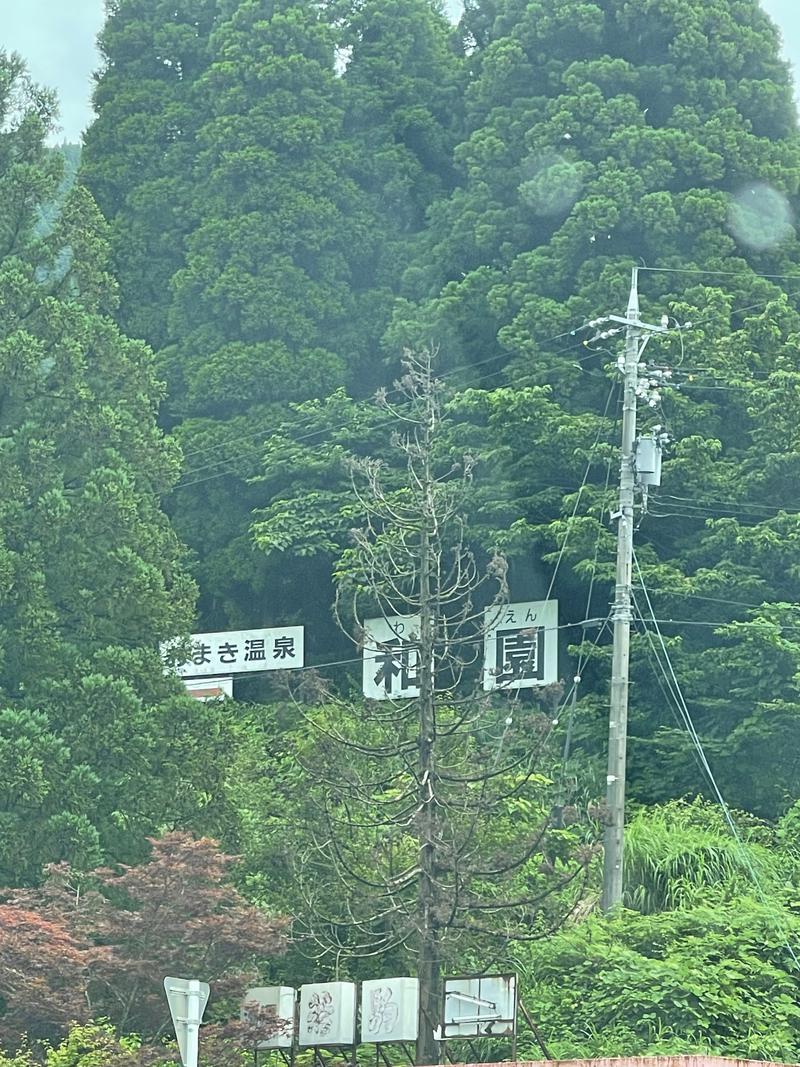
554 184
760 217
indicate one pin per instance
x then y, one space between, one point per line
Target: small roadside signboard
187 1001
209 688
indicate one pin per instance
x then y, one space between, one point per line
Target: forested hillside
312 340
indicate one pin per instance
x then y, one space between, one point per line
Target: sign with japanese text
279 648
391 657
520 645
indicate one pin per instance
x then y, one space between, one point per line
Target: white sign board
277 648
272 1006
391 657
187 1001
520 645
327 1014
480 1007
209 688
389 1010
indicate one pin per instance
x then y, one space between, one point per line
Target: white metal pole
192 1023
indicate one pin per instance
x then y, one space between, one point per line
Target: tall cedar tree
137 156
403 80
266 284
97 747
316 188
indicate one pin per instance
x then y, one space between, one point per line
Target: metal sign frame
490 1017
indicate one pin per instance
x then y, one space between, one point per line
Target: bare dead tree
434 829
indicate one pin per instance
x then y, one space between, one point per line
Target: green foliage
703 962
598 135
95 1045
295 190
98 747
137 151
263 204
683 855
709 979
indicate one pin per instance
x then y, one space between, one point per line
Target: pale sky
56 38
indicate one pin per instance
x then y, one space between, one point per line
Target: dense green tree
97 745
138 152
266 281
715 979
311 184
594 135
404 83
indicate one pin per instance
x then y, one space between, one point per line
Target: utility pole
637 334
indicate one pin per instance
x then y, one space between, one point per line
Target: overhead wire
492 359
668 697
469 369
568 333
456 370
226 461
711 599
572 693
747 273
464 369
571 696
715 504
699 511
582 623
589 464
717 624
673 685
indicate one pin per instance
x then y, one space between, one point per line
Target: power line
668 697
744 274
683 709
572 695
582 623
700 511
225 461
718 624
444 376
612 391
697 387
456 370
711 599
754 504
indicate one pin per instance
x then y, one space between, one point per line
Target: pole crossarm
636 324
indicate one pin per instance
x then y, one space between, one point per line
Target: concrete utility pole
637 334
